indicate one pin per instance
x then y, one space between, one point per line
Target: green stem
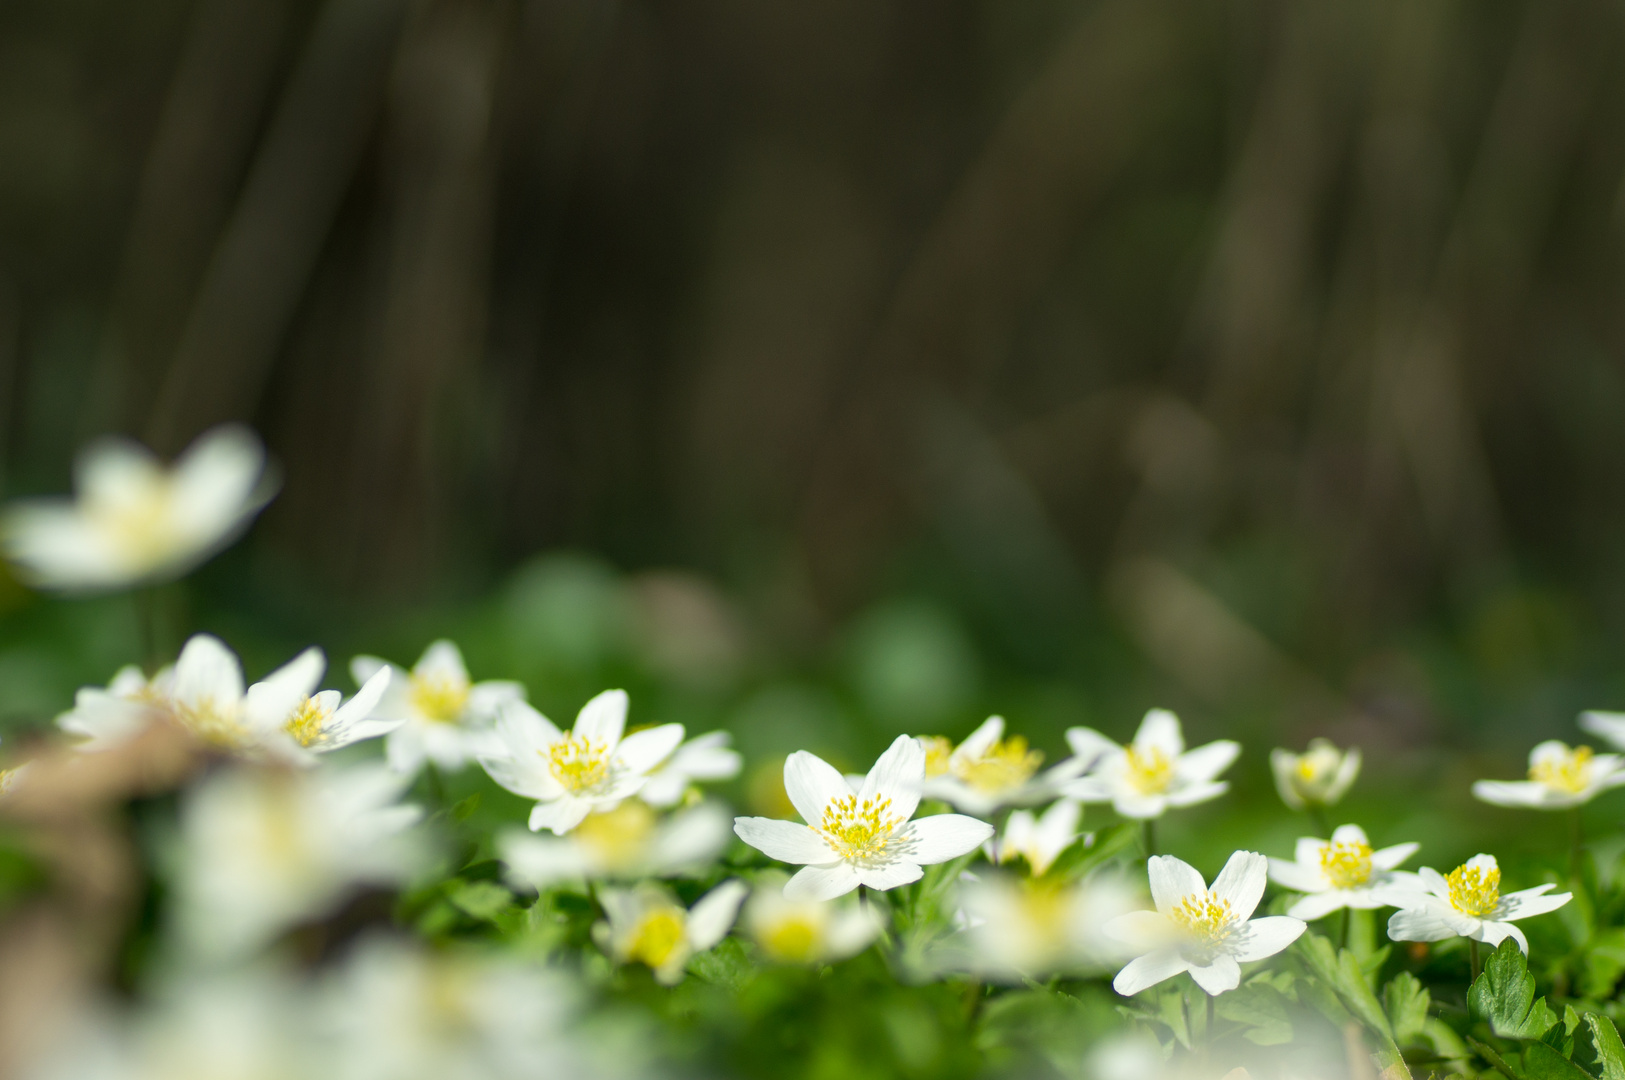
1150 837
1317 818
1576 843
146 619
1472 959
1348 917
1207 1029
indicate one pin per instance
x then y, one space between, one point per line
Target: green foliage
1504 996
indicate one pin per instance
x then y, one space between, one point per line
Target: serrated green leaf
1504 996
1604 964
1259 1008
1341 971
1541 1062
1406 1001
480 899
1497 1062
1607 1049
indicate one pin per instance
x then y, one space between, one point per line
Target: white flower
1154 772
1026 929
107 716
446 719
1468 903
1605 725
1559 778
1342 872
1038 840
1207 932
988 771
808 931
401 1013
572 773
704 757
1320 776
133 521
859 834
647 925
624 843
289 716
262 850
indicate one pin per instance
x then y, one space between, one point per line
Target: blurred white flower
988 771
704 757
859 834
647 925
1343 872
106 716
1468 903
445 718
402 1013
1605 725
572 774
1207 932
1559 778
1151 774
1318 777
1038 840
133 521
624 843
261 850
1025 929
294 720
808 931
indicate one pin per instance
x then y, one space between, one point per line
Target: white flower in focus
808 931
647 925
262 850
1343 872
1559 778
1468 903
402 1013
107 716
1318 777
704 757
287 714
132 521
859 834
988 771
1025 929
1154 772
574 773
624 843
1038 840
1207 932
445 718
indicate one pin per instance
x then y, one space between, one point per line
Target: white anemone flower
705 757
1154 772
625 843
1468 903
294 720
1343 872
859 834
573 773
1039 840
132 521
1318 777
1207 932
647 925
1020 929
808 931
105 717
446 718
1559 778
1609 726
988 771
263 850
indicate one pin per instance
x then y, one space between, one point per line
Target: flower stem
1150 837
1348 917
1576 843
1317 818
146 618
1472 959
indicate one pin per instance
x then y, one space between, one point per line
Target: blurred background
828 370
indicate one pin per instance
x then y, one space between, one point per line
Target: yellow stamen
1473 891
212 724
858 830
620 835
1006 764
1346 864
938 749
578 763
438 698
794 939
1149 771
658 935
307 722
1205 917
1571 773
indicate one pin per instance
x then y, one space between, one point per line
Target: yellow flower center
794 939
1006 764
578 763
938 749
1473 891
658 935
438 698
212 724
306 723
1206 917
1571 773
1347 865
618 836
1149 771
858 830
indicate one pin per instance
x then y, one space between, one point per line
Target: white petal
539 862
1172 880
811 784
486 699
980 741
1242 882
1201 765
1349 834
713 913
1160 731
561 815
1089 745
1519 793
524 731
690 839
821 882
786 841
1284 766
604 718
643 750
1197 793
1297 877
1268 936
1389 857
404 748
1309 850
207 671
1347 770
1140 930
889 876
365 667
1319 905
1432 922
1222 975
442 661
273 699
1139 807
1528 903
1493 933
1605 725
897 776
942 837
1149 970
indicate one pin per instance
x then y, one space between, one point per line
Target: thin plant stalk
1149 836
1317 819
1576 843
1473 960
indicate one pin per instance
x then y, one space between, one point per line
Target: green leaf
480 899
1261 1009
1497 1062
1607 1049
1406 1001
1342 973
1604 964
1080 858
1541 1062
1504 996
